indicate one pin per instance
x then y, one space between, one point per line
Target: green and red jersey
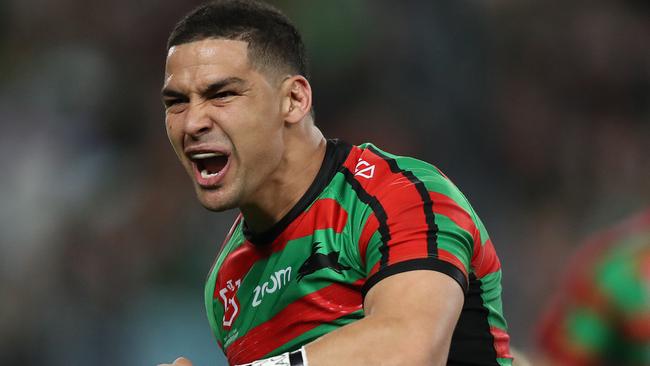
601 315
367 215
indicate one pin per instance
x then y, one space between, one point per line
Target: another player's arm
409 320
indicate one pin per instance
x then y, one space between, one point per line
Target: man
601 315
342 255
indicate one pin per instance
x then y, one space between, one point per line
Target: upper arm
424 305
417 246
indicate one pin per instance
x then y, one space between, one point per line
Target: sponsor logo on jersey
364 169
228 295
276 281
318 261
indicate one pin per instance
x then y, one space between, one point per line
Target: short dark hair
273 41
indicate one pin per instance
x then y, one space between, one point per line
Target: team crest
317 261
228 296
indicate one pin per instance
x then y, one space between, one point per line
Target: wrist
295 358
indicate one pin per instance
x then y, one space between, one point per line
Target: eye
175 105
171 102
224 94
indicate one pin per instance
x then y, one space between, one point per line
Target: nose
197 121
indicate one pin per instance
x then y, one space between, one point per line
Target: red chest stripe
323 214
299 317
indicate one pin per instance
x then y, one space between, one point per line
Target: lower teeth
206 174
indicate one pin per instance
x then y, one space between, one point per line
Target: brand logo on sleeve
317 261
228 295
276 281
364 169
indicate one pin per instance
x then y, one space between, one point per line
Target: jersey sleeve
412 228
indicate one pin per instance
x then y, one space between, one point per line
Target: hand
181 361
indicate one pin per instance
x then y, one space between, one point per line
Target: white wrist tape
296 358
303 352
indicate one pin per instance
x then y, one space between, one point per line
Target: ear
296 103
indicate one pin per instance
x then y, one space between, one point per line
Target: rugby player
601 312
342 254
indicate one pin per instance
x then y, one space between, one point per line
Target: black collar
335 154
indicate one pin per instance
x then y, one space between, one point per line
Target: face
223 119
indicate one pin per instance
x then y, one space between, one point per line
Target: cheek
172 135
168 125
255 129
268 150
172 130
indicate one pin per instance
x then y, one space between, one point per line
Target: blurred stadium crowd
539 111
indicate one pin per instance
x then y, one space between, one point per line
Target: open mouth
209 166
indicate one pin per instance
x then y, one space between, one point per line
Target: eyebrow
212 88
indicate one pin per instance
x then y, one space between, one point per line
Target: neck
302 158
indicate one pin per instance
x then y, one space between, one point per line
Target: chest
292 286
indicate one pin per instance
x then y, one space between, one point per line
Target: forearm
403 325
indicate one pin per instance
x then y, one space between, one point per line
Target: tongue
214 165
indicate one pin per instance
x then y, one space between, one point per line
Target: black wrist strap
295 358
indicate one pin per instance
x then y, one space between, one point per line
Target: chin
217 207
215 201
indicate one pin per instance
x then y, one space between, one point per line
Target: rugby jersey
367 215
601 313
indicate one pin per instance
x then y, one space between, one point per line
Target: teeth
205 174
205 155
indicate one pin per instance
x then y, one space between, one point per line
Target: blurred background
539 111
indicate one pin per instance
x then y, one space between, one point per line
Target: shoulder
377 173
377 169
